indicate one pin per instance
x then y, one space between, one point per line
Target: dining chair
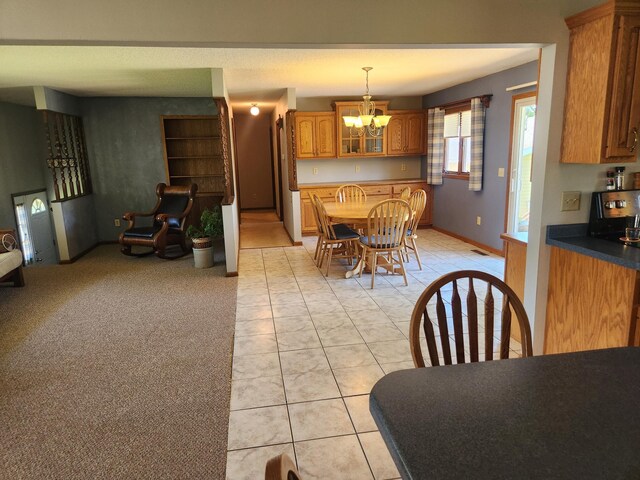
385 232
417 202
338 240
350 193
316 217
405 193
429 314
281 468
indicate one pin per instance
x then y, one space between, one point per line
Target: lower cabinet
381 190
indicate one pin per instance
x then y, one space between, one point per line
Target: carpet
116 367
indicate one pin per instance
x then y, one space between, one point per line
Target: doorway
523 117
33 217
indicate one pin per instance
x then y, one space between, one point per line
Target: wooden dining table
354 213
566 416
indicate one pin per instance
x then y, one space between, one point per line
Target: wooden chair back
406 193
281 468
428 315
387 224
316 214
417 202
350 193
322 218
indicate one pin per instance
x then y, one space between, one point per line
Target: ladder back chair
417 202
316 217
430 315
350 193
385 232
334 236
405 193
281 468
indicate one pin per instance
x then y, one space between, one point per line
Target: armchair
169 215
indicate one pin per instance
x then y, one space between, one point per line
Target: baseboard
469 240
231 274
295 244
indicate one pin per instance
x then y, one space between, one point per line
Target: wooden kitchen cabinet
380 190
591 304
315 134
602 103
515 263
350 144
405 133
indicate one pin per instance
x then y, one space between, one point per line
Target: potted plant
201 236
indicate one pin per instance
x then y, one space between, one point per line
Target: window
457 142
38 206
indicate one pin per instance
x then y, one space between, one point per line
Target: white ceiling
253 75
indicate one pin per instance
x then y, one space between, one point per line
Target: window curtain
477 145
435 145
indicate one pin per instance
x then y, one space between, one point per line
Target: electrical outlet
403 167
478 220
501 172
116 222
357 168
315 170
570 201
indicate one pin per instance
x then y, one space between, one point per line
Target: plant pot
202 252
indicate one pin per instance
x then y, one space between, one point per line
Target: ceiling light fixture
367 120
254 109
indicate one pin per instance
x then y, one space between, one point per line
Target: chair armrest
131 215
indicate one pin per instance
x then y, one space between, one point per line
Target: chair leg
415 250
374 260
404 274
329 259
364 261
126 249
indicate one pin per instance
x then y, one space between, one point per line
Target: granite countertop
574 237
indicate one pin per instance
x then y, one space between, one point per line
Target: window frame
458 108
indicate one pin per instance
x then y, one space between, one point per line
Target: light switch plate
570 201
501 172
315 170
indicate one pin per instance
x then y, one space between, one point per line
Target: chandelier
367 120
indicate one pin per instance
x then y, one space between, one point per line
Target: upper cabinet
406 133
315 134
602 104
350 144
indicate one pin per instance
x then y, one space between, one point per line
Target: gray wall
125 151
253 141
455 208
22 156
79 224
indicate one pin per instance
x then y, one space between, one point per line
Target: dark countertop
574 238
563 416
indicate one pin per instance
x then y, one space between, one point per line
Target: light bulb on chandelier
254 110
367 120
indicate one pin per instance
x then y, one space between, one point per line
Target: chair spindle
488 324
505 334
472 319
458 335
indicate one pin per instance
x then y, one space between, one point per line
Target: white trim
522 85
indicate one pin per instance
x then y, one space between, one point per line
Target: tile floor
308 350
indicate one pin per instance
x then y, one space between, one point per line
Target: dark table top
573 416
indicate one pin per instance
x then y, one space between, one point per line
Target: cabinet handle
635 139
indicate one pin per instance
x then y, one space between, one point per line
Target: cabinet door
305 129
414 133
395 135
325 135
427 215
308 222
624 121
349 143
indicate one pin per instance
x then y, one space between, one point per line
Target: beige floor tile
300 340
358 408
367 317
286 298
293 324
249 312
358 303
378 456
320 297
394 367
249 300
257 392
357 380
325 307
309 386
254 327
349 356
255 344
380 332
391 352
325 321
254 366
302 361
323 418
344 335
258 427
290 310
332 458
249 464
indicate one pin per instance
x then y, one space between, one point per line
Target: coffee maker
613 211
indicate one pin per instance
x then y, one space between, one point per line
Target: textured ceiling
252 75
